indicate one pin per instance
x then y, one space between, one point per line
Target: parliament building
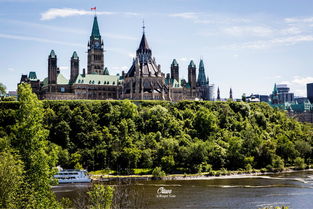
143 81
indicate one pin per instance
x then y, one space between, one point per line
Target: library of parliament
143 81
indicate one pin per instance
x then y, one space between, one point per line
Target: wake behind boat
72 176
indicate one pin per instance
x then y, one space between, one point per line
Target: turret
74 67
192 75
201 76
175 70
143 52
218 94
231 94
52 68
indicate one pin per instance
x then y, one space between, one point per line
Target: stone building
143 81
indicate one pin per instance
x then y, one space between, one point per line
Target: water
289 189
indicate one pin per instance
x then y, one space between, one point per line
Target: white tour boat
72 176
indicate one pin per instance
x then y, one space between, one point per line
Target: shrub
299 163
158 173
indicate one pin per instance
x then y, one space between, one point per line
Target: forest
182 137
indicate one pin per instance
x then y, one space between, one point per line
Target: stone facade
143 81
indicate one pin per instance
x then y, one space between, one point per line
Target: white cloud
263 44
67 12
186 15
64 67
299 20
206 18
183 59
248 31
117 36
120 68
11 69
131 55
42 40
291 31
297 84
302 80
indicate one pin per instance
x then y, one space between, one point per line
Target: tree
100 196
11 179
2 88
31 144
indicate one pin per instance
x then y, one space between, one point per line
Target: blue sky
247 45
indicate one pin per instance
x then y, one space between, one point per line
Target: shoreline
203 176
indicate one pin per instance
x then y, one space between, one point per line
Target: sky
246 45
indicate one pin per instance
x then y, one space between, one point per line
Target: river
294 189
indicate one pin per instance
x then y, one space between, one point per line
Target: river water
293 189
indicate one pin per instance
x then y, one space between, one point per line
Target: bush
278 164
158 173
299 163
100 196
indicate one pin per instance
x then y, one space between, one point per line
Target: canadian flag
93 8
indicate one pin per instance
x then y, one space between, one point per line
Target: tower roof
192 64
95 33
201 76
74 56
275 89
201 65
52 54
143 43
174 63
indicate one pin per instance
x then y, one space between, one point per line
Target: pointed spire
74 56
192 64
218 94
143 52
52 54
174 63
275 91
201 76
95 33
143 43
106 71
230 93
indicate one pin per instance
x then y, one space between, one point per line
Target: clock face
97 44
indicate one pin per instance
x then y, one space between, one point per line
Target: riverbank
199 176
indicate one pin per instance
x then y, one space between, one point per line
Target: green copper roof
192 64
32 76
201 76
61 80
106 71
95 29
74 56
174 83
174 63
95 79
275 91
52 54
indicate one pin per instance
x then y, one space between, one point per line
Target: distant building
281 94
309 88
258 98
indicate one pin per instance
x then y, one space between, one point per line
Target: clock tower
95 51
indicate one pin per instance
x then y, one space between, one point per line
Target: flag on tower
93 8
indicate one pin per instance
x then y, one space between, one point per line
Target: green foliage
11 179
178 137
278 163
100 197
2 88
38 157
158 173
299 163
